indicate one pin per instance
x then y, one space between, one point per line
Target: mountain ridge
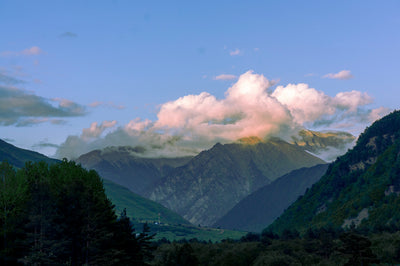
212 182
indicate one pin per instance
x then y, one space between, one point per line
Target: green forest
60 215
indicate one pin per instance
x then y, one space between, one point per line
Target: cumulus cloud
22 108
225 77
34 50
250 107
344 74
235 52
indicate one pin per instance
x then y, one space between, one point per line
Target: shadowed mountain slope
263 206
17 156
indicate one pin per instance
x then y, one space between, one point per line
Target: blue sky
65 65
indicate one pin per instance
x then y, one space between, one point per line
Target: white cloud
225 77
344 74
235 52
250 107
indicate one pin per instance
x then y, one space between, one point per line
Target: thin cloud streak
225 77
342 75
106 104
34 50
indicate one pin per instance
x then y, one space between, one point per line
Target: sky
177 76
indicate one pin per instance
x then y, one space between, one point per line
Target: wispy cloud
310 75
106 104
235 52
68 34
45 144
225 77
34 50
9 80
193 123
22 108
344 74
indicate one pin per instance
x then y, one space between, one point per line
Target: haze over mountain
125 166
262 207
326 145
361 187
214 181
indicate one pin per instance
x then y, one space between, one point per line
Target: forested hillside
361 188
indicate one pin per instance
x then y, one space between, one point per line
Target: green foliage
60 215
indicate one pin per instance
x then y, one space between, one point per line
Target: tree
357 248
12 204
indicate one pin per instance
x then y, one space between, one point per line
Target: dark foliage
60 215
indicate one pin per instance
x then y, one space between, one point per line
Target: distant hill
211 183
138 208
17 156
124 166
361 187
263 206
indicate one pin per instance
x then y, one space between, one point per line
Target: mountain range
205 187
214 181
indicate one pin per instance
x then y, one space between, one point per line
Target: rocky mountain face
360 188
124 166
326 145
263 206
211 183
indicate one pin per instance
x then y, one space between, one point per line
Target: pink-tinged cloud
225 77
235 52
344 74
250 107
34 50
95 129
